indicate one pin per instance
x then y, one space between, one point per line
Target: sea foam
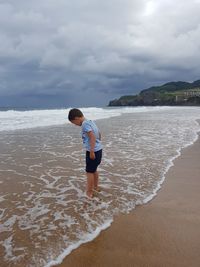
15 120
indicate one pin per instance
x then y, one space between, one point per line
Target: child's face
77 121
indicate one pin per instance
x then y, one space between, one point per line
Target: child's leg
90 184
96 180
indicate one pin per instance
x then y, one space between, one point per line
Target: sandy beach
163 232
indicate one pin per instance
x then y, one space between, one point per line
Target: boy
92 142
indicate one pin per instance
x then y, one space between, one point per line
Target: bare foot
89 195
97 189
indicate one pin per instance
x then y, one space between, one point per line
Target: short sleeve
87 127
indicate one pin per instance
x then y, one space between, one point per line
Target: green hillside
172 93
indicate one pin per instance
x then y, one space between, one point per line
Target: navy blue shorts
92 164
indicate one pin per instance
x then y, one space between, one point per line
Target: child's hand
92 155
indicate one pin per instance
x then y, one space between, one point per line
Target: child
92 142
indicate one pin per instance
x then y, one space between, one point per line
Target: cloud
88 47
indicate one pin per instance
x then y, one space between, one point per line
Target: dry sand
163 233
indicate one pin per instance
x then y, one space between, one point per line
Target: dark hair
73 113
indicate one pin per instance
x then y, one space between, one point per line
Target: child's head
75 116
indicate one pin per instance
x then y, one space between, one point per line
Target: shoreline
162 232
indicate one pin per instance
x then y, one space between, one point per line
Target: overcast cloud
87 52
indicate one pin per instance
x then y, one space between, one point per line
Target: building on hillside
184 95
192 92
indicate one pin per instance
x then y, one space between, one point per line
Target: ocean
44 212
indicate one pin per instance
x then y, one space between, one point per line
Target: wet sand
164 232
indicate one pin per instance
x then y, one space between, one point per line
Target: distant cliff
172 93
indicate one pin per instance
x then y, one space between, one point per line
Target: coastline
163 232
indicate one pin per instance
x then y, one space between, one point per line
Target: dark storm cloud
87 52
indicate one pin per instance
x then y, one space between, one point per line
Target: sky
63 53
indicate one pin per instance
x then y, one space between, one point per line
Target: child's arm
92 144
